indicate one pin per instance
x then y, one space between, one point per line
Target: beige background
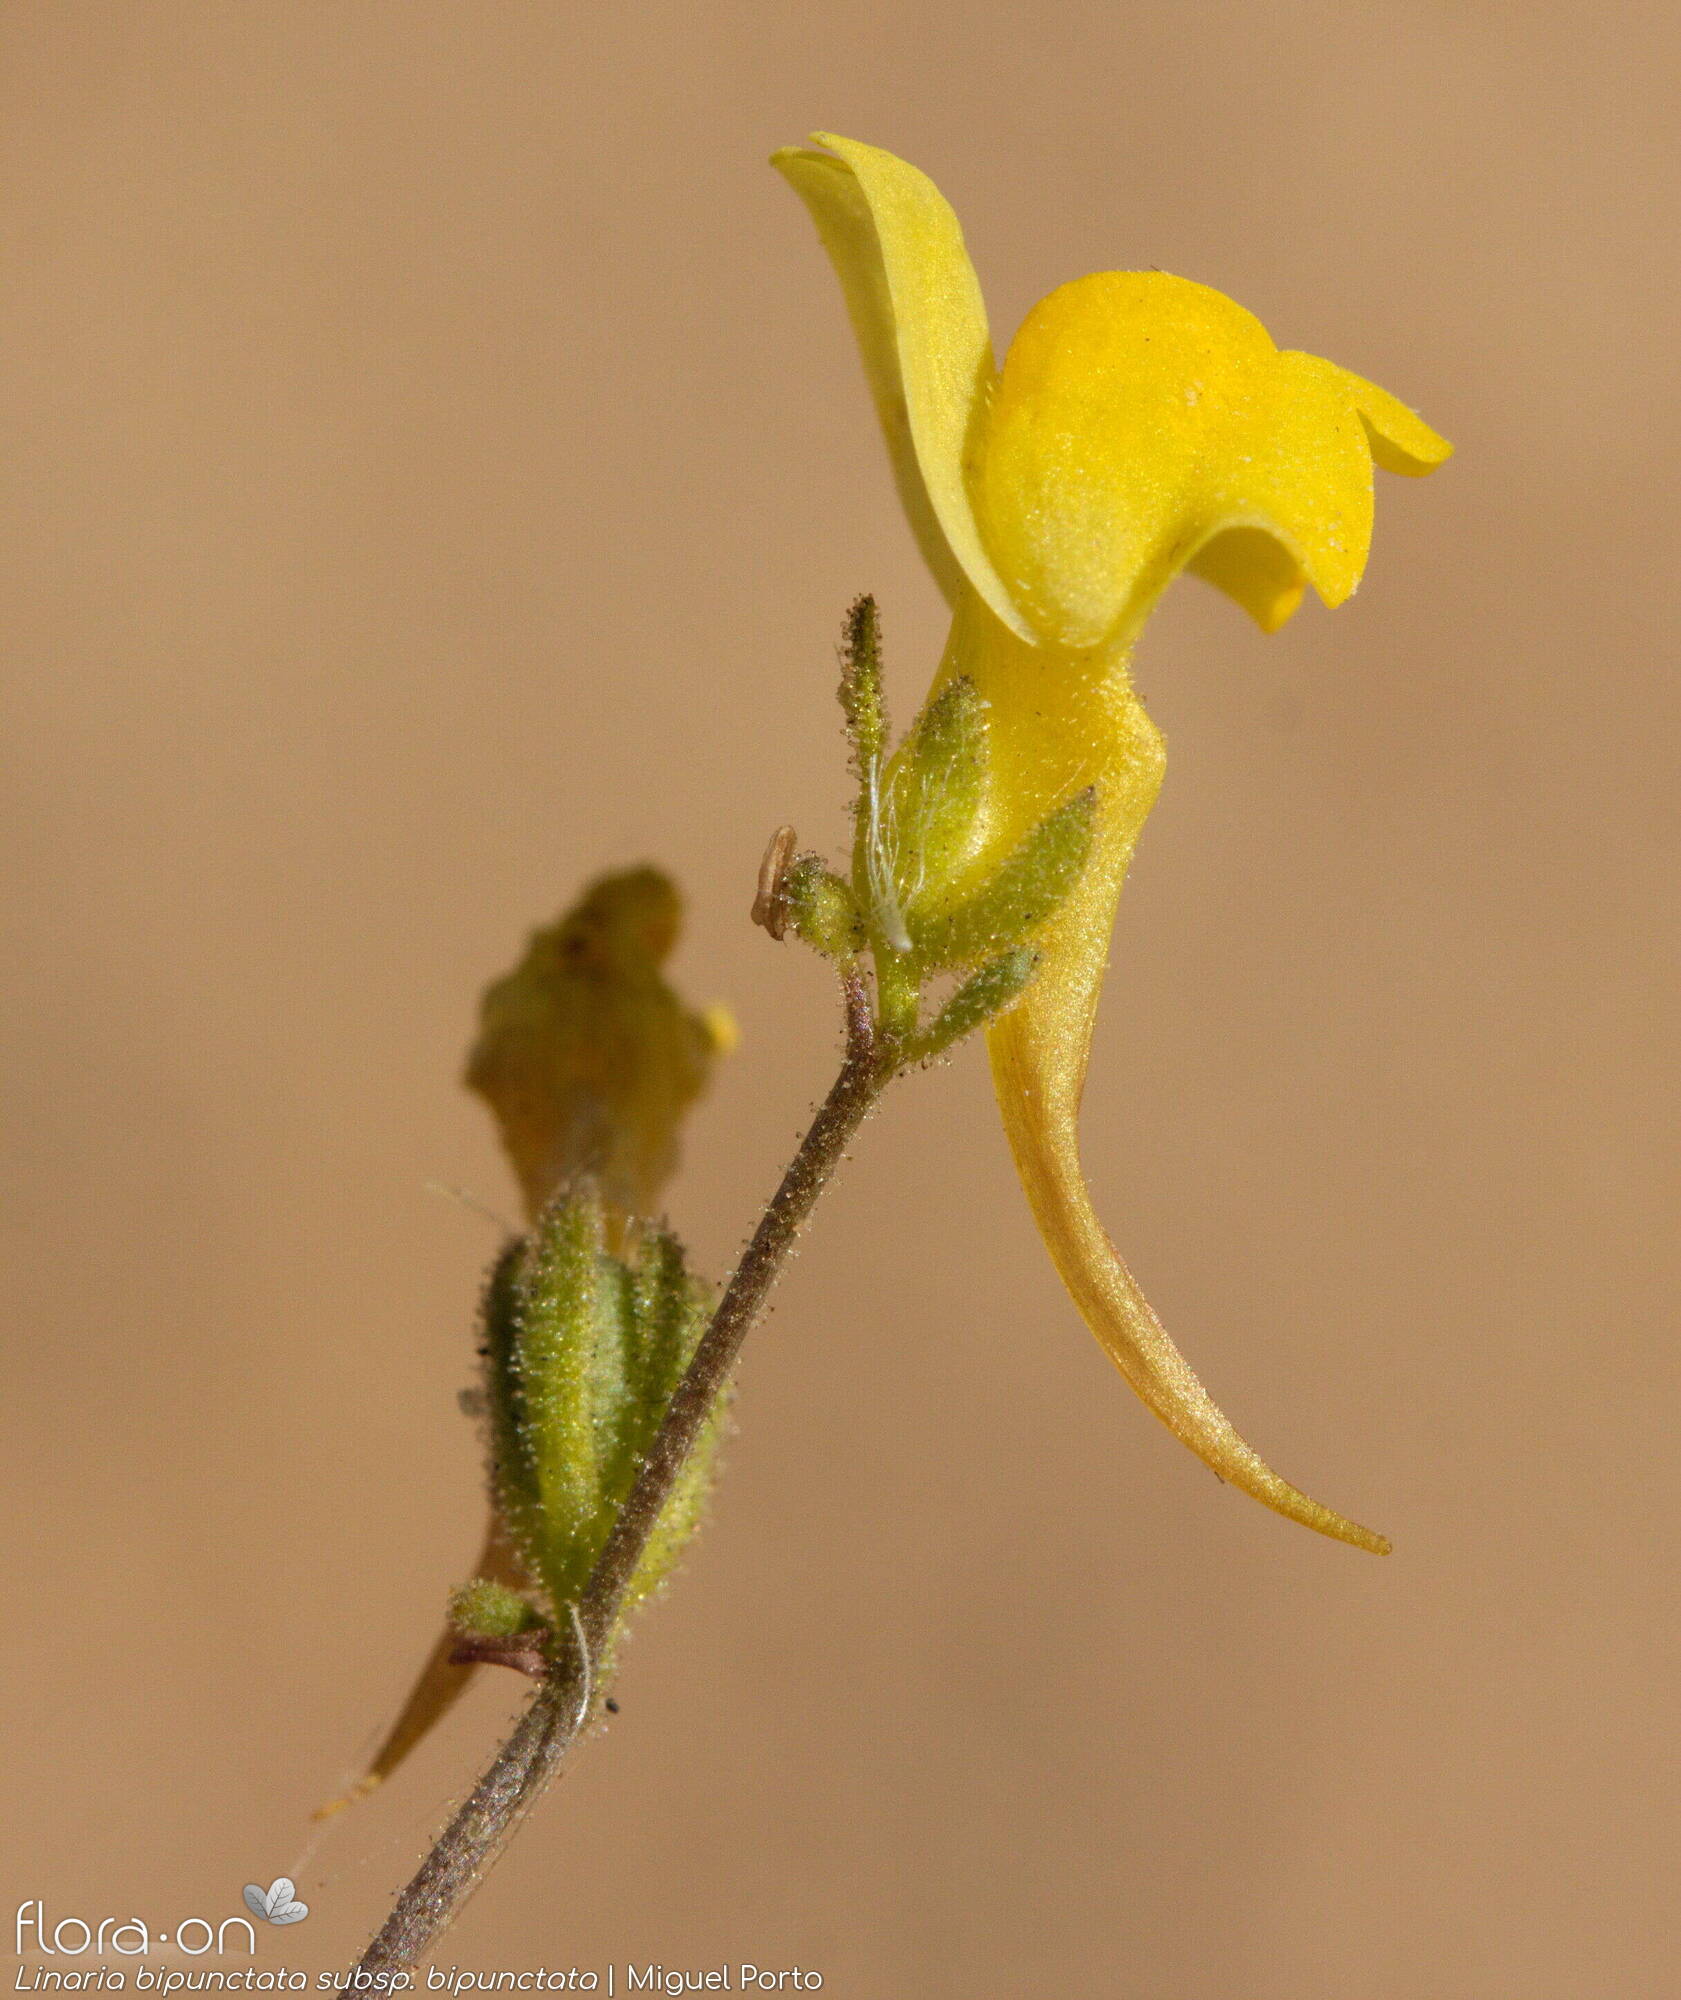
436 467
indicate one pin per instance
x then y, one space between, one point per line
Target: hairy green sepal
584 1348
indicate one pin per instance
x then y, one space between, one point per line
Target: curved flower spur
1141 425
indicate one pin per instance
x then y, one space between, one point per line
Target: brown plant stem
562 1707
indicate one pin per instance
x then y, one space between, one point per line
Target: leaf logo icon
275 1904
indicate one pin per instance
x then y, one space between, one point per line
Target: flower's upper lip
1142 423
917 309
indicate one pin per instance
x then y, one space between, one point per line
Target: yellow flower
1141 425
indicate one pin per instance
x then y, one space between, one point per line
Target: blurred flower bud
587 1056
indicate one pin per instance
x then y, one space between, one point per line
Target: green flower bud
822 908
583 1350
